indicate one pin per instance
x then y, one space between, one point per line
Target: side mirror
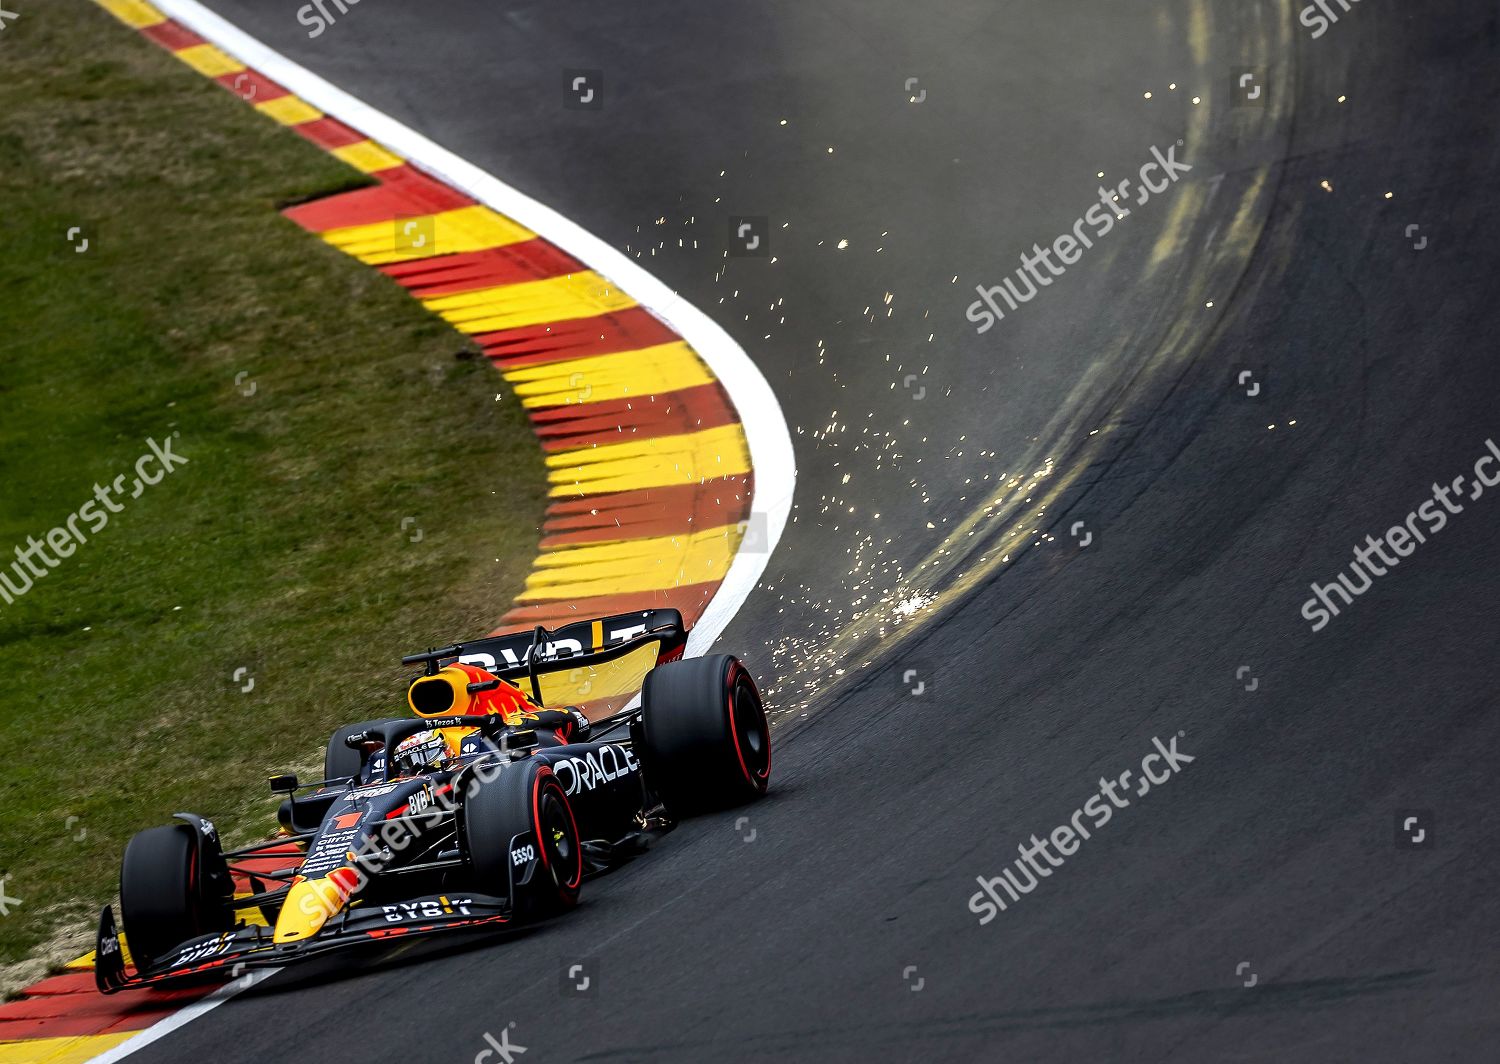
285 784
483 685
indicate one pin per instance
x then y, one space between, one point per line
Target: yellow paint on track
289 110
511 306
367 157
137 14
652 463
61 1050
628 374
425 235
633 565
209 61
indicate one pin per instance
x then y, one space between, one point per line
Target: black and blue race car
531 762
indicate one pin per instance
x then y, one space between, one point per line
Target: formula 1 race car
490 806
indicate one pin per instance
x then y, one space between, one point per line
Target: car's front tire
172 888
522 838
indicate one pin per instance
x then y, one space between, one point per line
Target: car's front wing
247 947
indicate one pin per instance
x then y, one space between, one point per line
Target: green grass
279 547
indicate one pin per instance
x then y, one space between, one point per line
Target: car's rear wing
578 646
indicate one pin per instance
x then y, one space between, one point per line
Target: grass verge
284 547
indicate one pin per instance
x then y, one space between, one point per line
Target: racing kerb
652 473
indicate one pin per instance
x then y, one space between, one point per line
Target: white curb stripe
182 1017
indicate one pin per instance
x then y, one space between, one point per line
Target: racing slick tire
340 762
706 743
522 839
173 887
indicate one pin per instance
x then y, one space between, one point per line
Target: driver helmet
423 752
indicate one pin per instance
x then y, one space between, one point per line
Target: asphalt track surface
840 930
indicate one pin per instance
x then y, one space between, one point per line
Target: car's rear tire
525 799
340 762
706 741
173 887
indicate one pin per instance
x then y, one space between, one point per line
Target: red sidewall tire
525 799
564 864
706 743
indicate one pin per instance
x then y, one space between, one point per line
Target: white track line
771 456
775 468
183 1016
